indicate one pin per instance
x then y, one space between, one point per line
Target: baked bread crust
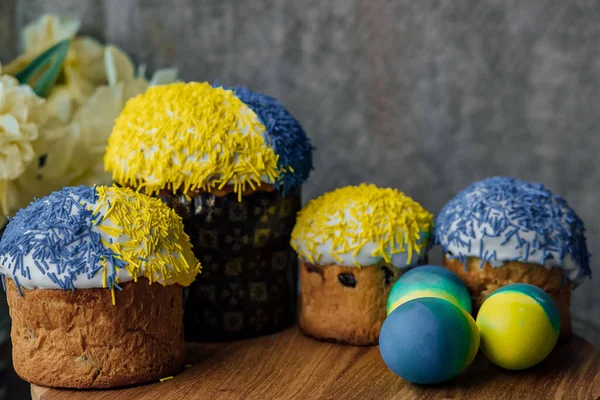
78 339
481 281
333 311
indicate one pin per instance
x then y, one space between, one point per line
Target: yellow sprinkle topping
166 378
188 136
354 216
147 236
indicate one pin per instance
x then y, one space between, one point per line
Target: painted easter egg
429 281
519 326
428 340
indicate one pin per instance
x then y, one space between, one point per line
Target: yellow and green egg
519 326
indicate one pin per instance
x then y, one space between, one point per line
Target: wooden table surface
291 366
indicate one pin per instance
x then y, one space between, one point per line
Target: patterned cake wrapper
248 285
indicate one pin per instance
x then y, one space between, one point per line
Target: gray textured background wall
426 95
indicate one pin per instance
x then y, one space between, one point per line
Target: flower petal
84 68
14 158
164 76
19 63
46 31
118 66
133 88
60 106
10 126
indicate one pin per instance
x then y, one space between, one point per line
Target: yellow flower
83 68
78 156
77 116
75 157
39 36
46 31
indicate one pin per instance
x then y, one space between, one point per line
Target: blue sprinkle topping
284 134
18 286
57 231
99 220
509 207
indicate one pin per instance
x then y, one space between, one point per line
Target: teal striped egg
429 281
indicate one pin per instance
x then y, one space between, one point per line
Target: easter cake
353 244
502 230
94 279
231 162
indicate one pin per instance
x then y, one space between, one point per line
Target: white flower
20 115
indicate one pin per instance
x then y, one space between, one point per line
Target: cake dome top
192 136
504 219
284 134
96 237
362 225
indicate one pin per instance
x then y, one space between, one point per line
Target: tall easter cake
231 163
502 230
353 244
94 279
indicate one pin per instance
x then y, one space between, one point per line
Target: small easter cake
231 162
502 230
353 244
94 278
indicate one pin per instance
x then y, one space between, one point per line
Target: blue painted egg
429 281
519 325
428 340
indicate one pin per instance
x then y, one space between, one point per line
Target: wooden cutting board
291 366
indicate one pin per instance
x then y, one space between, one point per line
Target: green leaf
42 72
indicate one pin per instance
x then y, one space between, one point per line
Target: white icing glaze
43 281
364 256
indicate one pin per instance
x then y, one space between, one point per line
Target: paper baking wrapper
249 277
